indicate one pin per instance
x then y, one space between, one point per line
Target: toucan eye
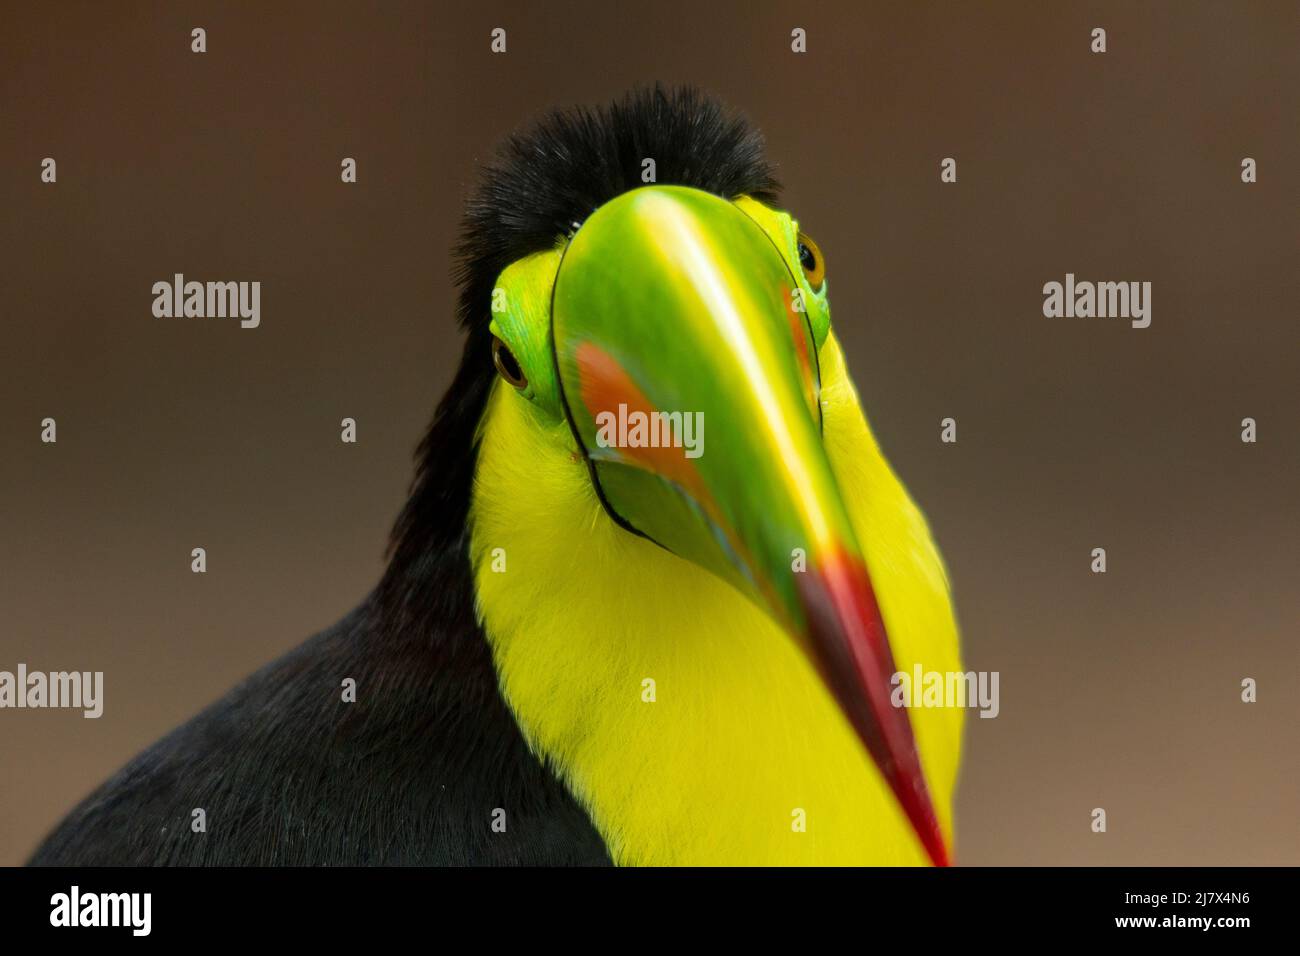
507 364
810 257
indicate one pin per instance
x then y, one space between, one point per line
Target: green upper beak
688 372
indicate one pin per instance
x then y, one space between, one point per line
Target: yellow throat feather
742 756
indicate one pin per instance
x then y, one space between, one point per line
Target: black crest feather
549 178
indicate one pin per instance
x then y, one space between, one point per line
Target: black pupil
806 258
508 363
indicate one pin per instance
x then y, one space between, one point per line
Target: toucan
652 586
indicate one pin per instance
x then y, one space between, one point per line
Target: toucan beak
689 375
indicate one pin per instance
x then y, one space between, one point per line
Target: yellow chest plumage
686 722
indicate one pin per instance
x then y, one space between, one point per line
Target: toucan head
667 337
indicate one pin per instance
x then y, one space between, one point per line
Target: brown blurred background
1119 691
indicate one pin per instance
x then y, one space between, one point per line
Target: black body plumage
285 771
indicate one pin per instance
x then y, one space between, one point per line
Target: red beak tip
920 813
939 853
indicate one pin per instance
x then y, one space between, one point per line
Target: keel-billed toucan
590 646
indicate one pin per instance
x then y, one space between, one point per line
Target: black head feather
550 178
544 182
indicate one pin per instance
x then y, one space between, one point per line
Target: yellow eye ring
507 365
810 258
